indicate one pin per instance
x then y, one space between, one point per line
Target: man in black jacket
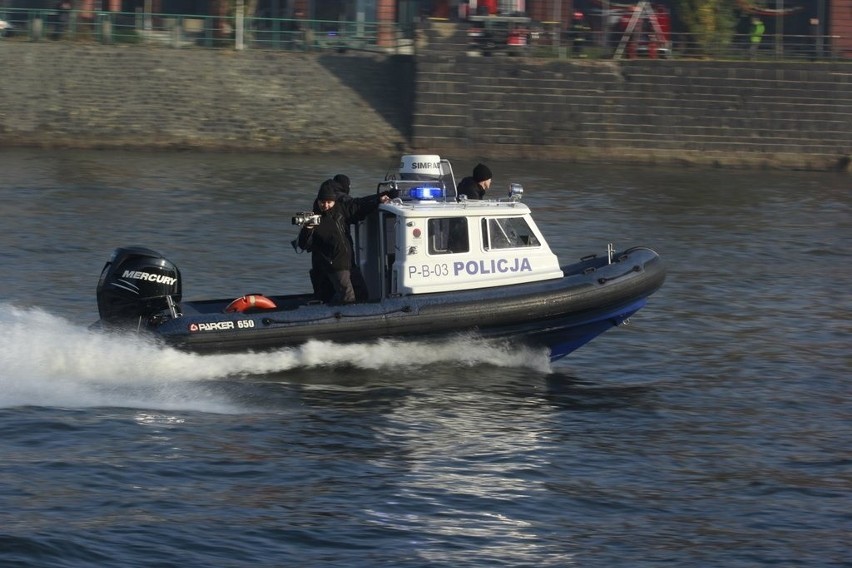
474 186
331 250
359 284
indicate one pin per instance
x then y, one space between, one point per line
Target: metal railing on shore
681 46
239 32
176 30
734 47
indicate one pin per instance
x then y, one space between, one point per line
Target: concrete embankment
737 114
61 94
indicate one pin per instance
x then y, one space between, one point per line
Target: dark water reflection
712 430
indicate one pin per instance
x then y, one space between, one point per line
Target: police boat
434 266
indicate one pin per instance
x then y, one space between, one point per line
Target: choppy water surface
713 430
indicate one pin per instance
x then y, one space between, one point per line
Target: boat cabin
429 241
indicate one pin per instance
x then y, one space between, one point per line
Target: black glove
391 193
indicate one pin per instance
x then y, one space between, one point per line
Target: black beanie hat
344 182
481 173
328 190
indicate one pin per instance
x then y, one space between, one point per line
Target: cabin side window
511 232
448 235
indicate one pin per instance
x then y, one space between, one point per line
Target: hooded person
359 284
474 186
331 251
343 181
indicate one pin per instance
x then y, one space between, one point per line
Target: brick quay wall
737 114
62 94
730 114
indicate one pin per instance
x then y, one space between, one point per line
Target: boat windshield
507 232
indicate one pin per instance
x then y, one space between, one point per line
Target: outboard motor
137 283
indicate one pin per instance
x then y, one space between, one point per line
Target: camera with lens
306 218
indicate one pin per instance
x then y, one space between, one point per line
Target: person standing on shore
578 32
756 35
61 18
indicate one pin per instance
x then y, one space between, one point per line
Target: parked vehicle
511 35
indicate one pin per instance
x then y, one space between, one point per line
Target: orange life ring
250 302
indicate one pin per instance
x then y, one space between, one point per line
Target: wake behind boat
434 266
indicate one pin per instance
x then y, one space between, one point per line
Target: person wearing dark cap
331 250
359 284
474 186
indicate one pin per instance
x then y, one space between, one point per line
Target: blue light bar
425 193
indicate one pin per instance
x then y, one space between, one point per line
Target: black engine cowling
137 282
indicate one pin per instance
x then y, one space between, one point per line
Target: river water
713 430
